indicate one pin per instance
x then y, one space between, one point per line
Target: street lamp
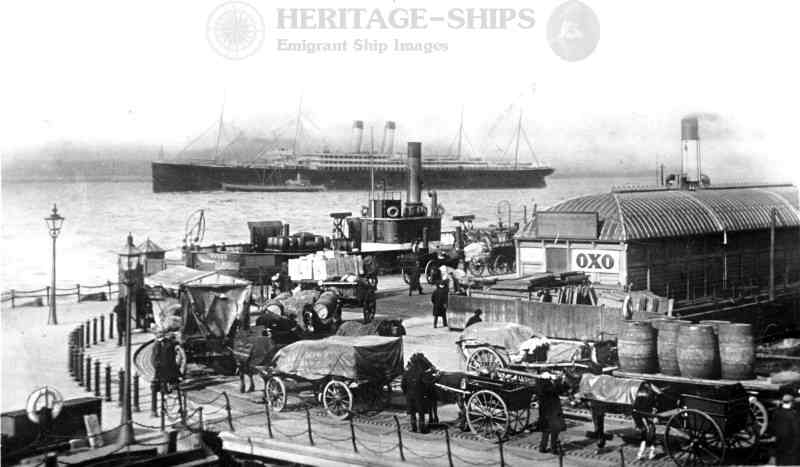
53 222
129 266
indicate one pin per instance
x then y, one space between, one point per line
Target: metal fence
42 297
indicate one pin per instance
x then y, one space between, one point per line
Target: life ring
364 210
392 211
44 397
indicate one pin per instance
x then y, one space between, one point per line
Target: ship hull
171 177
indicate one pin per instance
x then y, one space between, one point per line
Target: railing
99 292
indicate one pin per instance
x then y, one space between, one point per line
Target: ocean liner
351 170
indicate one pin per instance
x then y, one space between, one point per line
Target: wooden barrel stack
636 347
697 351
737 351
667 345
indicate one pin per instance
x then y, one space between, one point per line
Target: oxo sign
595 260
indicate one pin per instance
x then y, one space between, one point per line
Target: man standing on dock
786 426
413 278
439 300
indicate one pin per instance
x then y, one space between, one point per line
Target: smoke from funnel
358 135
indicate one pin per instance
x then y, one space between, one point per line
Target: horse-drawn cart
341 371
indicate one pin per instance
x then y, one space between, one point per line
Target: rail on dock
42 297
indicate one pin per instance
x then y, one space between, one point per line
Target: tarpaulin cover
211 309
362 358
506 336
610 389
172 277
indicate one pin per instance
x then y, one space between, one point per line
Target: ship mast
371 173
219 131
516 149
297 127
460 133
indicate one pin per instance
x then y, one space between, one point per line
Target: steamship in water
350 170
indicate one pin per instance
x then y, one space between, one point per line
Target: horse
256 346
419 387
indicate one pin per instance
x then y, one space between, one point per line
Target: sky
145 72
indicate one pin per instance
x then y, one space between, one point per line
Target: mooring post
269 417
353 435
89 374
136 393
81 343
79 367
154 398
97 383
447 443
108 383
94 331
88 328
308 425
500 447
121 376
71 357
102 328
111 326
399 438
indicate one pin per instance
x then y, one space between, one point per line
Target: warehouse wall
605 263
690 268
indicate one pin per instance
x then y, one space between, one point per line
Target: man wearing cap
786 426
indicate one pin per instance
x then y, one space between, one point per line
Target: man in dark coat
119 311
439 300
413 278
551 417
167 369
786 426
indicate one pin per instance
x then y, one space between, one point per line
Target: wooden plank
750 384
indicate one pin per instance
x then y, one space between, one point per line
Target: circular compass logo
235 30
573 31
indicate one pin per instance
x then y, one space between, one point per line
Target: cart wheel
501 265
487 415
744 442
760 416
275 392
694 438
476 266
337 399
485 359
519 420
429 268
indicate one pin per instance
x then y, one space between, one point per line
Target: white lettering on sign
595 260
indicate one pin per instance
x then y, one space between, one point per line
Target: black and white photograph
399 233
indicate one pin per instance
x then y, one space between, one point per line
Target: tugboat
298 184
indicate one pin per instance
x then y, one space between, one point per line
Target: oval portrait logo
573 31
235 30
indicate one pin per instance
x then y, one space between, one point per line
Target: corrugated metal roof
636 215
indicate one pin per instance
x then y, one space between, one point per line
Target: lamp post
54 222
129 261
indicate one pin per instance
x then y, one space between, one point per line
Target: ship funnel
413 203
387 145
690 150
358 135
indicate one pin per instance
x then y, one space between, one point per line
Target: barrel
737 352
666 345
714 323
326 305
636 347
697 351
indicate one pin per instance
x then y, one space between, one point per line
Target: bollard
71 359
228 410
154 398
163 412
102 328
110 324
399 439
97 384
136 393
353 435
79 376
108 383
121 376
500 447
308 424
447 443
89 373
94 331
80 336
88 331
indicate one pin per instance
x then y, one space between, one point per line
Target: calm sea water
99 216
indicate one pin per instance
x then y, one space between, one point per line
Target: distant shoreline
76 179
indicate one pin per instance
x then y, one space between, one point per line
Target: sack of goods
325 265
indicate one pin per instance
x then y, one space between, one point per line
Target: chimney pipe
358 135
413 204
690 149
387 145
